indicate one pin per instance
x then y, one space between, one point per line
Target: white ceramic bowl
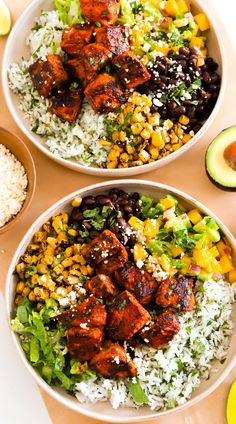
16 49
103 410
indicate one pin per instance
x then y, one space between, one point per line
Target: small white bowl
16 49
103 410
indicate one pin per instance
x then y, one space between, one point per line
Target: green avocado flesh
218 170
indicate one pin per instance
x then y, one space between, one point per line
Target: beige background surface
186 173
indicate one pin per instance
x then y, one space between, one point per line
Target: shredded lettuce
69 11
44 344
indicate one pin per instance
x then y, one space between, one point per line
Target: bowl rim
36 224
117 172
29 194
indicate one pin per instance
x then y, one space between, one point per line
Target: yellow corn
112 164
136 223
136 128
176 146
67 262
52 241
26 291
232 276
186 138
62 237
157 139
162 47
184 120
168 123
154 119
76 202
113 155
32 297
122 135
144 155
124 157
130 149
165 262
138 117
154 152
226 264
20 287
194 216
115 136
139 252
145 134
202 21
72 232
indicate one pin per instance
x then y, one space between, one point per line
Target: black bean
172 105
190 112
196 128
80 240
123 202
93 234
199 111
114 191
184 51
213 88
76 215
103 200
87 225
122 193
206 78
128 209
89 201
215 77
180 110
136 196
161 67
183 63
164 79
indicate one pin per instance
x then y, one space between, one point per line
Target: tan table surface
186 173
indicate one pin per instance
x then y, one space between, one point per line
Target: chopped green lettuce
69 11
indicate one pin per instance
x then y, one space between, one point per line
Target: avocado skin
218 185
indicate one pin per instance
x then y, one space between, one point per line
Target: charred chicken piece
159 333
102 287
104 11
75 37
106 253
84 343
176 293
48 74
90 313
91 60
114 38
126 317
113 362
130 69
66 104
139 282
104 94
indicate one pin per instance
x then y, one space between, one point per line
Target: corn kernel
184 120
148 127
136 223
168 123
122 135
136 99
186 138
136 128
144 155
130 149
138 117
154 152
67 262
115 136
124 157
20 287
26 291
157 139
62 237
154 119
112 164
176 146
121 118
76 202
145 134
113 155
32 297
72 232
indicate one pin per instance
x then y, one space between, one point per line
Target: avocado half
220 161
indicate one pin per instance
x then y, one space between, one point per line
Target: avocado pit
230 155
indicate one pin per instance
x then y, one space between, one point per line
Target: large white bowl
16 49
103 410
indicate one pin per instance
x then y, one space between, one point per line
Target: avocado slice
220 160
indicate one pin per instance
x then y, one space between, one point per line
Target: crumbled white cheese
13 185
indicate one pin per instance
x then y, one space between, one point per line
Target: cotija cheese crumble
13 184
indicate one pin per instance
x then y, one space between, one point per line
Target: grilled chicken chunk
106 253
91 60
114 38
66 104
139 282
113 362
104 94
126 317
48 74
159 333
176 293
130 69
104 11
75 37
102 287
90 313
84 343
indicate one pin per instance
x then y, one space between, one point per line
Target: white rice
13 184
169 376
79 140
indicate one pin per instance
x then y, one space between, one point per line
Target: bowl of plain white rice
17 179
76 146
205 344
